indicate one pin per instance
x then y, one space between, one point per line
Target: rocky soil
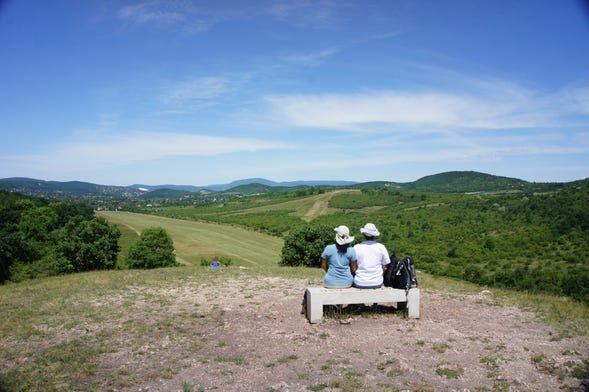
250 336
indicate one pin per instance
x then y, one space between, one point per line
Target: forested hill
466 181
64 190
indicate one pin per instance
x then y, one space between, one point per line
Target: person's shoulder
329 248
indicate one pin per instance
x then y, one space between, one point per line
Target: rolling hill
448 182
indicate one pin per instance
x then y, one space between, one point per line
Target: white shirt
371 256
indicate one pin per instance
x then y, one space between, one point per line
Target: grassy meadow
195 240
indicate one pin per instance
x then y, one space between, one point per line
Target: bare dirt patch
248 335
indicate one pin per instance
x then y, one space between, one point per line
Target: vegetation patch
440 347
449 370
392 367
236 360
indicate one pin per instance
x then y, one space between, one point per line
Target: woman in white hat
339 260
373 259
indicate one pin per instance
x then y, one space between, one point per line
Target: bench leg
413 303
314 309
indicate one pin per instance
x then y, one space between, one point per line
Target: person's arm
324 265
386 260
353 266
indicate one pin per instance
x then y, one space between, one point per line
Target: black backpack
400 274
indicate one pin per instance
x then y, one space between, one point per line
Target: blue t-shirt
338 266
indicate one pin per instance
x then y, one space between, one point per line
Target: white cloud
137 147
494 107
197 89
148 13
173 15
312 59
576 99
315 13
356 111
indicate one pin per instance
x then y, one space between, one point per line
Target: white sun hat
370 230
342 235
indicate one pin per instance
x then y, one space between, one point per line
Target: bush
303 247
89 244
153 249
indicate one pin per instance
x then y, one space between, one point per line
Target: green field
196 240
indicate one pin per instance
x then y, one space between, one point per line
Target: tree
36 224
35 229
89 244
304 246
153 249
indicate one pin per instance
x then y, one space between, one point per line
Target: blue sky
207 92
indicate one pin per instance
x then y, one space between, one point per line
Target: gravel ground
250 336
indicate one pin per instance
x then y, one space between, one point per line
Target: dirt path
246 335
321 205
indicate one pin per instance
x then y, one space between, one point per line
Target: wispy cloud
312 59
174 15
141 146
197 89
315 13
576 99
193 94
496 108
152 12
366 111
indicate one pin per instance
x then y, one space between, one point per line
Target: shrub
89 244
303 247
153 249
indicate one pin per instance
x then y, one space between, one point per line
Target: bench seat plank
316 297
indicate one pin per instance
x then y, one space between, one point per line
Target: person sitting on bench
373 259
339 260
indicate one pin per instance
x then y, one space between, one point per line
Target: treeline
43 238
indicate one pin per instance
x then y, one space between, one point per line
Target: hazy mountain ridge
247 181
455 181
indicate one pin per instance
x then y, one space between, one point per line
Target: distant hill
250 189
453 182
463 182
466 181
150 188
165 193
234 184
70 189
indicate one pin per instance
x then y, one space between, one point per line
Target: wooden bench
316 297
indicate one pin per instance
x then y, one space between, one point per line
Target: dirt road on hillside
321 205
